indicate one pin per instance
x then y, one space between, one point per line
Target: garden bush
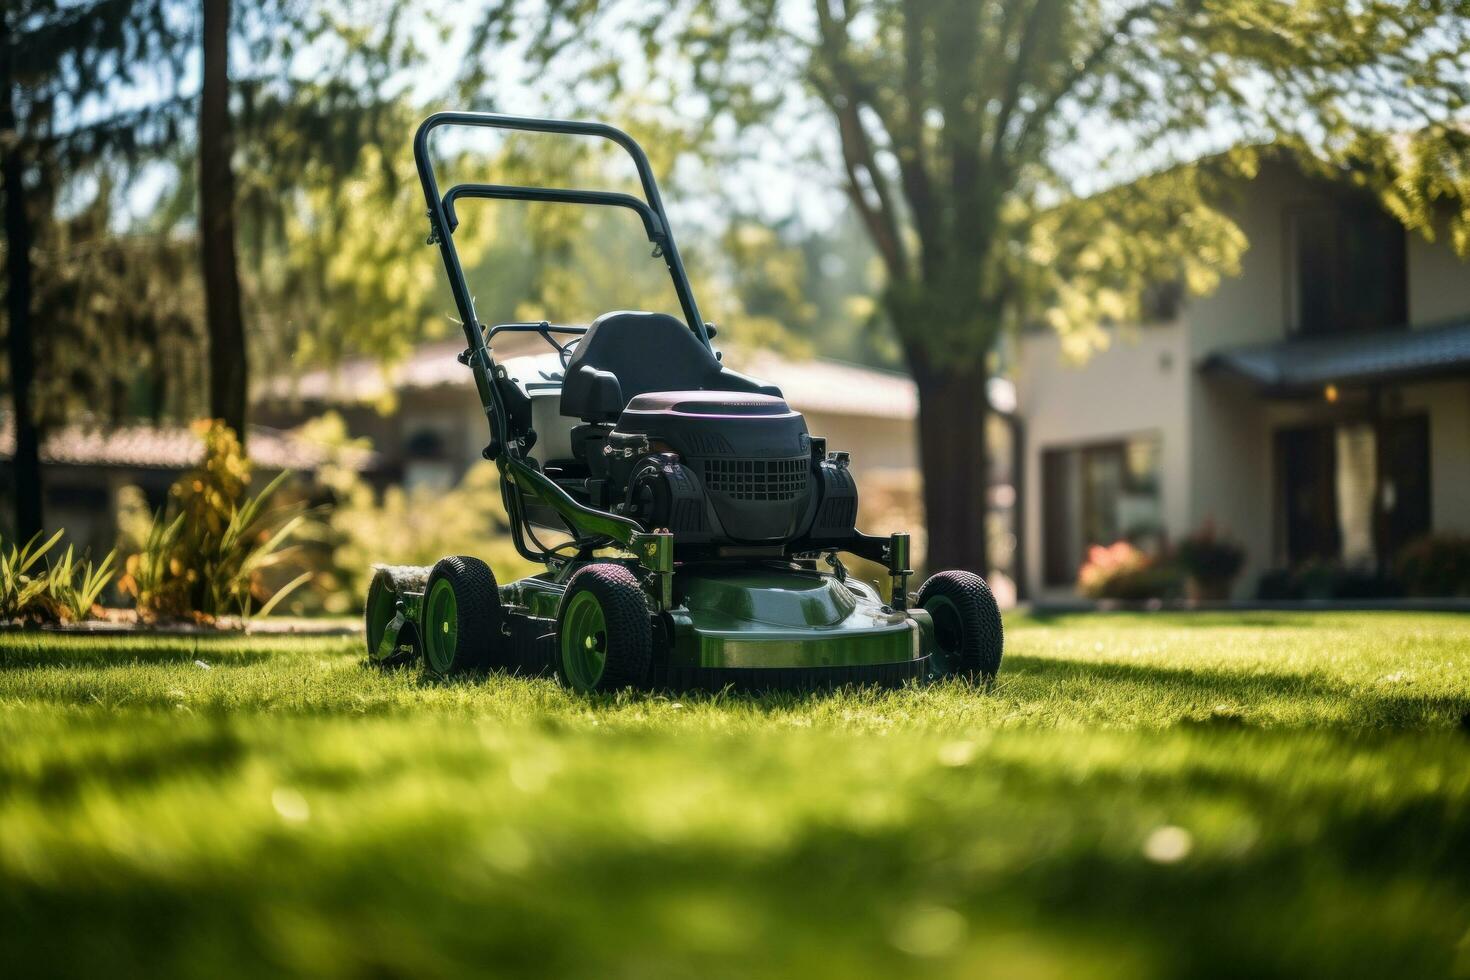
1210 561
207 554
1123 572
34 590
1319 580
355 528
1435 566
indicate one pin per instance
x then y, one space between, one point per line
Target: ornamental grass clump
25 583
210 552
75 585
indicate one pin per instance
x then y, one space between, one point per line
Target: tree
54 57
228 355
971 136
289 134
19 344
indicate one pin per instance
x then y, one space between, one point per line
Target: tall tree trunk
953 455
18 239
227 359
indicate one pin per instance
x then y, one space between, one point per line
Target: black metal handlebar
443 221
556 195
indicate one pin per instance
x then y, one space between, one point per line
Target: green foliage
1436 565
407 527
1209 558
1142 796
1320 580
211 557
76 585
24 588
973 138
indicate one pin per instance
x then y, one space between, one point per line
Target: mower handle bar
442 219
557 195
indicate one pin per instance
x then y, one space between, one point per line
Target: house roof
169 447
1301 366
813 385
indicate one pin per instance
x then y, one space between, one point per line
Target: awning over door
1305 367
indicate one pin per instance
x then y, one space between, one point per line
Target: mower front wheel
605 636
461 616
967 626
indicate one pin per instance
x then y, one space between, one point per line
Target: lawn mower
699 525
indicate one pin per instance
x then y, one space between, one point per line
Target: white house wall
1439 282
1448 407
1138 386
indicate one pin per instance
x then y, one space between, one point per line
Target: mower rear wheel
967 626
605 636
461 616
382 607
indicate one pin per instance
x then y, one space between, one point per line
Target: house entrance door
1403 483
1353 492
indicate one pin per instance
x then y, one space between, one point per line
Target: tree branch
858 154
1089 63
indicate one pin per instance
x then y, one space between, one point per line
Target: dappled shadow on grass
1222 695
1208 619
21 649
1368 894
122 766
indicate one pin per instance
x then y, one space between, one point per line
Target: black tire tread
477 601
629 627
983 635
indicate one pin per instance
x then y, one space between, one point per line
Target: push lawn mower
703 522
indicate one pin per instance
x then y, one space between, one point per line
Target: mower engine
719 467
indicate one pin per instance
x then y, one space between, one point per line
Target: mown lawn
1283 794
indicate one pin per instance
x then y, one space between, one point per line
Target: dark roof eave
1287 368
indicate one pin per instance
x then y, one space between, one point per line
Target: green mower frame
630 602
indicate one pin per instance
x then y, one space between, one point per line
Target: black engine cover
748 456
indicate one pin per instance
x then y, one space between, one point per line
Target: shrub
1122 571
25 591
75 586
404 527
1436 566
1210 560
208 552
1317 580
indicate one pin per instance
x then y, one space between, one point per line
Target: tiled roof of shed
168 447
1302 365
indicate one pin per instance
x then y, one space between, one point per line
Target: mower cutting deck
700 525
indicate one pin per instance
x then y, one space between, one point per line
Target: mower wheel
967 625
605 635
461 616
381 614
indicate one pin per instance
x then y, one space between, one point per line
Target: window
1347 270
1096 495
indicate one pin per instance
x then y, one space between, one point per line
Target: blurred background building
1316 408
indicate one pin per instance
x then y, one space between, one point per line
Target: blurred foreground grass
1280 794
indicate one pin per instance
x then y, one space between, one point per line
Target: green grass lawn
1260 794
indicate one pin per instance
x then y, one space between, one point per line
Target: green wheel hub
584 641
949 633
382 606
441 625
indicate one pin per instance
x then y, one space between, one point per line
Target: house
1316 408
